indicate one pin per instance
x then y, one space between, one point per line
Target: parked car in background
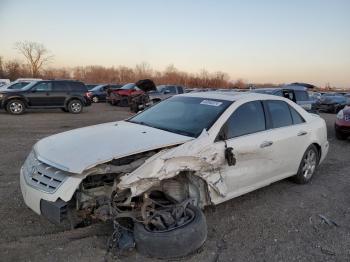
99 92
28 79
120 96
159 168
4 82
347 96
15 85
91 86
314 96
70 96
165 91
342 123
331 103
297 94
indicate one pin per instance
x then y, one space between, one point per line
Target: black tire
95 99
75 106
124 102
179 242
64 109
302 177
15 107
339 135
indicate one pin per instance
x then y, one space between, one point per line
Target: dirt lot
280 222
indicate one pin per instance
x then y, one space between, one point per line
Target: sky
269 41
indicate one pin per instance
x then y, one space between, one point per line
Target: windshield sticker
211 103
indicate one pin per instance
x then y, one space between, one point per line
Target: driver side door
246 133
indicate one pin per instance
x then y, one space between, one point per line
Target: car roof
231 96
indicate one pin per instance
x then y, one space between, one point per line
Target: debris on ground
328 221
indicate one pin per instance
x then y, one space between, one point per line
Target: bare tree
2 72
36 55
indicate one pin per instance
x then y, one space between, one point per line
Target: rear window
280 113
301 95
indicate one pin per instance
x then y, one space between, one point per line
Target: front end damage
123 187
154 187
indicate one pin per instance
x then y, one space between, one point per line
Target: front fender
199 156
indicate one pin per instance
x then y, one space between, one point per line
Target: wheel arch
15 98
319 151
73 98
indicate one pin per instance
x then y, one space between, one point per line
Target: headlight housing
1 96
340 115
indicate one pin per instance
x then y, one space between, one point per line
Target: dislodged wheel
171 232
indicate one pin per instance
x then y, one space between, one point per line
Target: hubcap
76 107
309 164
16 107
95 99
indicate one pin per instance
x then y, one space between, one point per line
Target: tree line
37 59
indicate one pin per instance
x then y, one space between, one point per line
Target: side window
288 94
280 114
77 87
247 119
301 95
297 118
171 89
60 87
43 87
180 90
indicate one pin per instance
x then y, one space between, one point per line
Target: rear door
39 95
289 135
60 91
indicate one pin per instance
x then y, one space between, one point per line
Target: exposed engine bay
98 197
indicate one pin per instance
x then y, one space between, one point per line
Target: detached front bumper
42 193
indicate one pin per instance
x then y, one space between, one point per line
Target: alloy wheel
76 107
16 107
309 164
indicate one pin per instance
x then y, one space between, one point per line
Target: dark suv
70 96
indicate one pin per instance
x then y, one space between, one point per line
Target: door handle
302 133
266 144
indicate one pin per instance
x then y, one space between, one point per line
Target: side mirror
222 136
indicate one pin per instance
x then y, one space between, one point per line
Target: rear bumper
326 108
345 129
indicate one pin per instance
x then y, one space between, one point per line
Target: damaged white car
159 168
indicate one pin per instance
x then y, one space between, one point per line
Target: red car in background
122 95
342 124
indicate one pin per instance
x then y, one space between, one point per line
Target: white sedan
189 151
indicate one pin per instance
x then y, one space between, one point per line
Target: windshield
96 88
183 115
128 86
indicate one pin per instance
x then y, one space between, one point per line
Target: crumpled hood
80 149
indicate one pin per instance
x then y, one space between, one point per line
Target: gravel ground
280 222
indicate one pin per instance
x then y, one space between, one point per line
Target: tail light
88 95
